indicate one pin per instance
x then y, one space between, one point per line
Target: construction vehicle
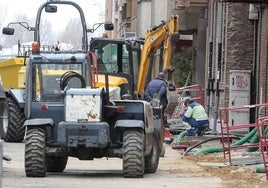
161 38
14 117
138 61
15 67
117 58
66 116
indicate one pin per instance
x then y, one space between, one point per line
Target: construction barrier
257 136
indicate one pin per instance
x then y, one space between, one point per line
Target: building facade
229 37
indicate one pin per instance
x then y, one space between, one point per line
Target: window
47 78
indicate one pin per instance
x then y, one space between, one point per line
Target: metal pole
219 62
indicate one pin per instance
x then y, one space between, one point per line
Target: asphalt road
103 173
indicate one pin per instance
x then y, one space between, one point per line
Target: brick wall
263 92
239 43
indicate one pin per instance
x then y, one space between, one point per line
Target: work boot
204 128
191 132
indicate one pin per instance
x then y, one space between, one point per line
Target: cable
67 76
208 140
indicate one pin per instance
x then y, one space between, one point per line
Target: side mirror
8 31
109 26
51 8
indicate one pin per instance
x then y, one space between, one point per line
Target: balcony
188 3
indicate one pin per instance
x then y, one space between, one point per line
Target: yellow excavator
161 38
131 64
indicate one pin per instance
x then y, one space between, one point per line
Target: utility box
239 95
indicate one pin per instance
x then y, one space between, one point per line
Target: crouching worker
197 118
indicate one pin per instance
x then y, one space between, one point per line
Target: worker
157 88
156 93
196 116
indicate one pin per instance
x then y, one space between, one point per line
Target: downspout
266 74
253 96
219 62
258 55
210 80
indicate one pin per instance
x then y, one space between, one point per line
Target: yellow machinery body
12 72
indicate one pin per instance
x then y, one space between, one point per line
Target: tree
73 33
23 35
183 67
2 18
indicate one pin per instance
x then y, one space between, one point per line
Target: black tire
133 154
4 122
35 153
16 117
56 164
152 160
163 151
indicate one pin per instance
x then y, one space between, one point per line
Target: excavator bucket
172 95
172 98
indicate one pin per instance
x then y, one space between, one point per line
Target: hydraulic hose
255 140
243 140
208 150
180 136
261 168
67 76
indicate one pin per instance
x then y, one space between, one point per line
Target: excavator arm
155 38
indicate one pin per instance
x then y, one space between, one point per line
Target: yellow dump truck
12 72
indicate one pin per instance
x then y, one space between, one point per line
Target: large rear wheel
35 153
16 117
4 122
133 154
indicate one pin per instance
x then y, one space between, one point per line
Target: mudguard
39 122
129 123
18 96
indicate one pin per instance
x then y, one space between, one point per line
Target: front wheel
133 153
152 160
35 153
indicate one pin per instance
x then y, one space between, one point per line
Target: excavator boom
155 38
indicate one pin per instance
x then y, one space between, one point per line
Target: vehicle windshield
113 58
47 80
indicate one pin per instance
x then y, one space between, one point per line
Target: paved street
172 172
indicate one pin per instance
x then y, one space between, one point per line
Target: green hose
179 137
239 142
260 169
255 140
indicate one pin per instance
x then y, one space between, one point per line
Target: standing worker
196 116
157 90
